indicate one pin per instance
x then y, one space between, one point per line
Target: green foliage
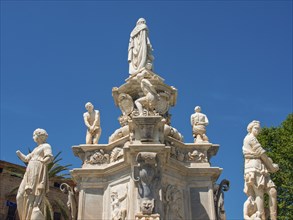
278 142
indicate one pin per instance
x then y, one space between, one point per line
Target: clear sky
233 58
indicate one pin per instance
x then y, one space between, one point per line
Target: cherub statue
35 183
257 169
92 122
199 121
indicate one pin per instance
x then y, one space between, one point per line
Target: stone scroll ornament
35 183
71 200
257 169
147 176
219 190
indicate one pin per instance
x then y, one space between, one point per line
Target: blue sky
233 58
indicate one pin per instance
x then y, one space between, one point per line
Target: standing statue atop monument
257 169
199 121
92 122
35 183
140 48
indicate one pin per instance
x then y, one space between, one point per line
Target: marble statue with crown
146 171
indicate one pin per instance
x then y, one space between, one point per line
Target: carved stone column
147 177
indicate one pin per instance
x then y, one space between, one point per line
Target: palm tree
55 172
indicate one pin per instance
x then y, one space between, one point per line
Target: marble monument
146 171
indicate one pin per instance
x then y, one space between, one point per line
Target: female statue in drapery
35 183
140 48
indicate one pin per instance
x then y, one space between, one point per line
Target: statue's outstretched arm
24 158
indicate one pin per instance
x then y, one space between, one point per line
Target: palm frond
56 169
62 208
48 209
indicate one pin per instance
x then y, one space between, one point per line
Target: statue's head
141 21
40 135
114 195
89 106
253 127
197 109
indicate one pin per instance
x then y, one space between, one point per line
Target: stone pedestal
176 176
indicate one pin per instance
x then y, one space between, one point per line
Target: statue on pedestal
199 121
35 183
92 122
140 48
257 169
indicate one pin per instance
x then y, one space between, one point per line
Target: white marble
140 48
146 171
92 122
199 121
35 183
257 169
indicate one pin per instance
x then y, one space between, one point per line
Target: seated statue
150 98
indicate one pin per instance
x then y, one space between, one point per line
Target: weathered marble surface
257 169
35 183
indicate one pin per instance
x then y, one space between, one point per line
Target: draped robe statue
35 183
140 48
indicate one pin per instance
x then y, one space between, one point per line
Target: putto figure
35 183
199 121
118 213
140 48
257 169
92 122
